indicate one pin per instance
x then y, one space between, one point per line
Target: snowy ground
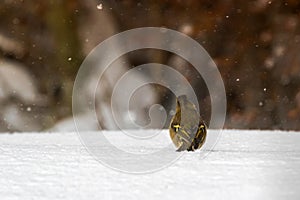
243 165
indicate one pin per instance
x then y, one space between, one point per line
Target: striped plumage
189 132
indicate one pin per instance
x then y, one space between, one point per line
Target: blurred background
255 45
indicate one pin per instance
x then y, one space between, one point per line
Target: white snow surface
243 165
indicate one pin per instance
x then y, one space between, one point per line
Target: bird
187 129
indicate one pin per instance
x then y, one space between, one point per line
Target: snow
243 165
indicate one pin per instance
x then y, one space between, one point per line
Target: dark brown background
255 44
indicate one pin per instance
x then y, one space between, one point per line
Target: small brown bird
188 133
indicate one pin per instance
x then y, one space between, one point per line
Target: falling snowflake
99 6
